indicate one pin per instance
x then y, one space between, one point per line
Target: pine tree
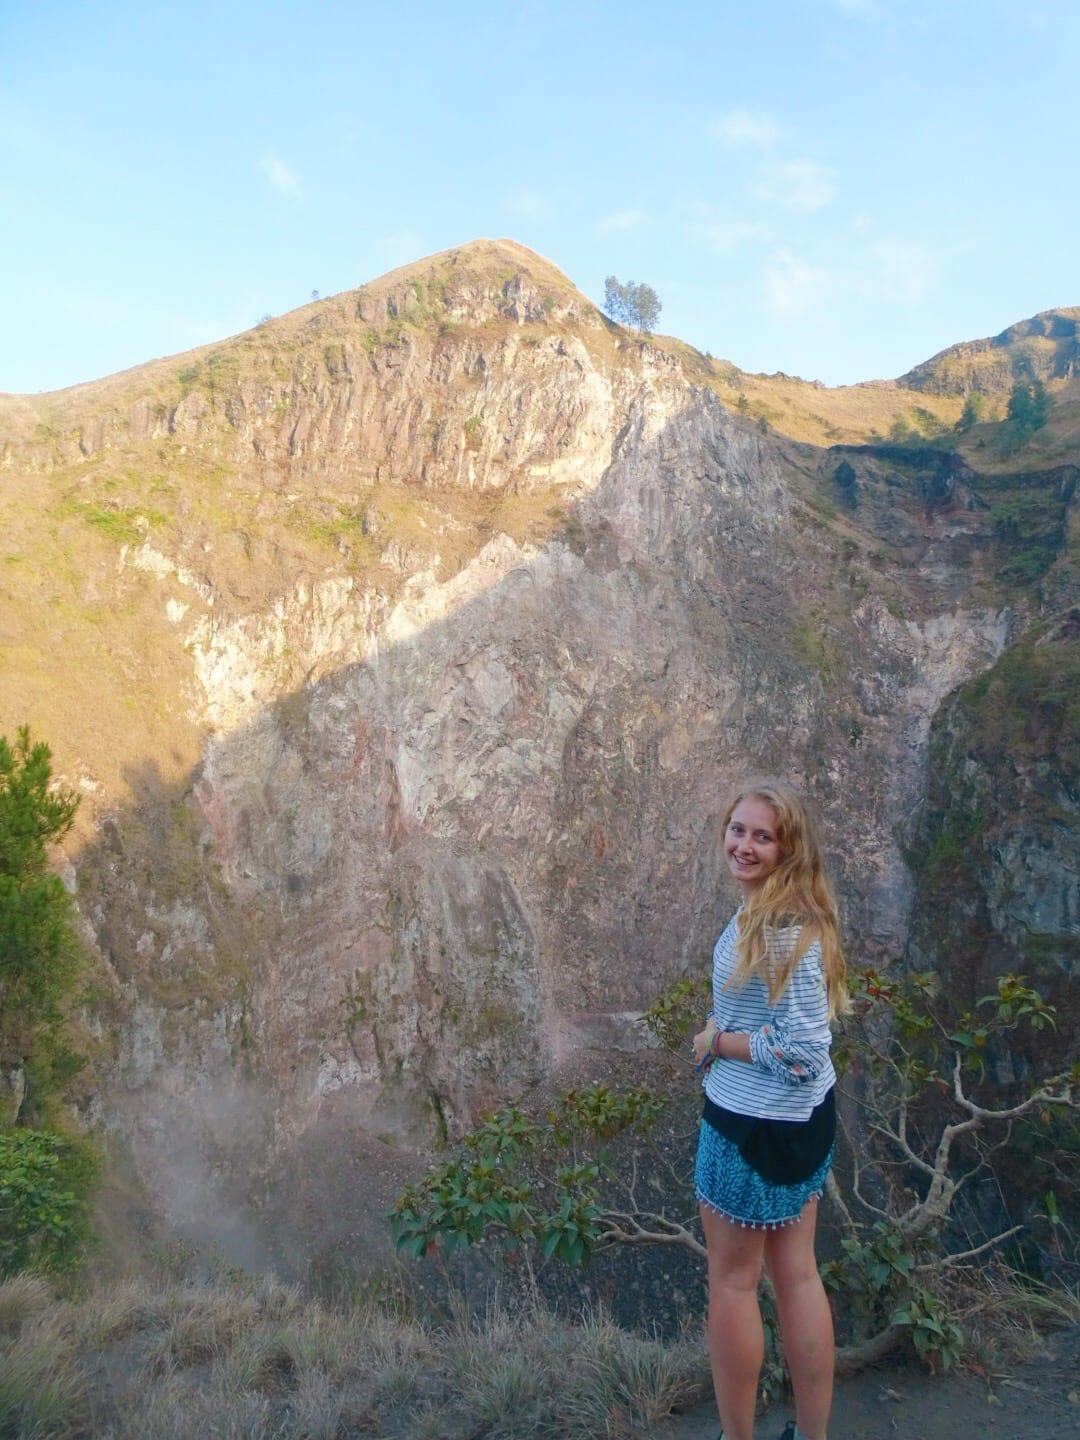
37 960
972 412
46 1175
1029 407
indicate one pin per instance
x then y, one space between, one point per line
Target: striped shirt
790 1071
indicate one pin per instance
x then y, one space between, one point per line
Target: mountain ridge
790 404
1045 347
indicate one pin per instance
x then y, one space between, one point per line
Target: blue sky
832 188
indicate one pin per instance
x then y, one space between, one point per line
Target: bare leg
736 1339
805 1320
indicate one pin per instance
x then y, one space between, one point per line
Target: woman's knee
790 1255
790 1267
734 1272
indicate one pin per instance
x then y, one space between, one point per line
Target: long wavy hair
797 893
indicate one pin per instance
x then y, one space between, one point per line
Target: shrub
37 966
921 1132
45 1183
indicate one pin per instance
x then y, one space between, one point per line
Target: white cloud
623 220
886 272
793 287
741 129
797 185
280 176
530 205
723 237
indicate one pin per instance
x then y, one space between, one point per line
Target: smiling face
751 846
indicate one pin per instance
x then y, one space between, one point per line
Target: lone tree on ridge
635 305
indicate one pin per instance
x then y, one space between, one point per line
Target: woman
766 1138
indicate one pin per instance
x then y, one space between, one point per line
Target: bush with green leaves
917 1129
45 1177
45 1183
37 955
925 1118
541 1182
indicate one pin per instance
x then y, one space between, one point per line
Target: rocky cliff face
448 615
996 845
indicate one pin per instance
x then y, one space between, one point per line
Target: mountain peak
1046 347
475 283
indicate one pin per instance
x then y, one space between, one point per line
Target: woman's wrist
737 1045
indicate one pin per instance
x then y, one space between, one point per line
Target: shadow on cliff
443 877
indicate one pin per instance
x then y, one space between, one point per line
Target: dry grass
40 1384
1006 1316
124 1309
527 1373
246 1357
153 1362
21 1298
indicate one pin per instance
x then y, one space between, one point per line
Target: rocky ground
1039 1400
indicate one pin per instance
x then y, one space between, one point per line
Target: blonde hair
797 893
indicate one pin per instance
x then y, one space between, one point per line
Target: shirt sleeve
792 1061
794 1043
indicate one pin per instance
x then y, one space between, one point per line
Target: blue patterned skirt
727 1184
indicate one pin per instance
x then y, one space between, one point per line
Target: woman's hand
703 1041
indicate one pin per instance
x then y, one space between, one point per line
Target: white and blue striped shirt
790 1071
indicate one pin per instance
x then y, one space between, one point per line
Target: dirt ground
1036 1401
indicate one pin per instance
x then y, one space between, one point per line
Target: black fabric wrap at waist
784 1152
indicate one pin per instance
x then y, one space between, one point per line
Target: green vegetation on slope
45 1176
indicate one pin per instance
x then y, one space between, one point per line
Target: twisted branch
641 1228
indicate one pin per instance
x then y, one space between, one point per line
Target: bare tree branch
641 1228
832 1189
947 1261
850 1359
